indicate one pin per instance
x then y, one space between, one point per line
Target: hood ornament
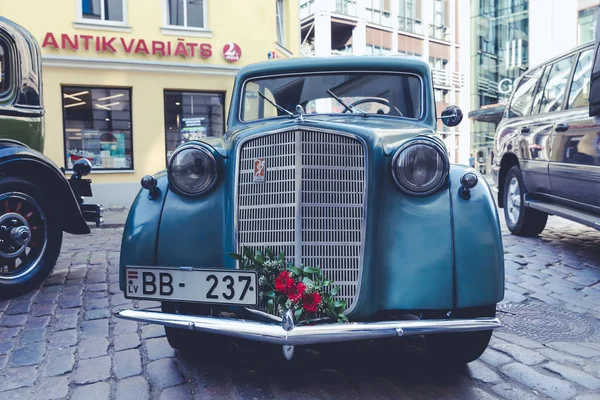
299 113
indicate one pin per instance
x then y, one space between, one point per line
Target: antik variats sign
111 44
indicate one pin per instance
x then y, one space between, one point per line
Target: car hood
385 132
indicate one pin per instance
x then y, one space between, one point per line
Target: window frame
565 100
218 92
282 25
526 113
63 116
579 54
89 21
167 19
7 93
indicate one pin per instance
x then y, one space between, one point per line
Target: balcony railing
346 7
441 78
307 8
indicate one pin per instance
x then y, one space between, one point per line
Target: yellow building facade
126 81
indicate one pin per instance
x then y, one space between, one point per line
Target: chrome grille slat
311 205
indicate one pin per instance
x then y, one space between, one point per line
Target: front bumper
289 335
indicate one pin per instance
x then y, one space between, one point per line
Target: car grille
311 205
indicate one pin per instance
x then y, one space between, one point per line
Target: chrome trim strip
309 334
301 127
298 199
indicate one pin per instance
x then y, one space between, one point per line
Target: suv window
523 96
580 88
3 67
555 89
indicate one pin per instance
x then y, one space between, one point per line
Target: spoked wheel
29 238
520 220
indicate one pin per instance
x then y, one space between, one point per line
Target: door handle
561 127
525 129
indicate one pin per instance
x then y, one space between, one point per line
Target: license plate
192 285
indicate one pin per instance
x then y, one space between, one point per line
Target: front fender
18 160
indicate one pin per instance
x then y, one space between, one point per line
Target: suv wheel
520 220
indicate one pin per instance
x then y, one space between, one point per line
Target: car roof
280 66
574 50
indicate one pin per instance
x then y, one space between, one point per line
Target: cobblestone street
61 341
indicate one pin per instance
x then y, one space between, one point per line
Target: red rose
295 291
311 302
283 282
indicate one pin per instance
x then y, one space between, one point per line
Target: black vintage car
547 146
37 202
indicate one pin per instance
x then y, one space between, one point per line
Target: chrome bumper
289 335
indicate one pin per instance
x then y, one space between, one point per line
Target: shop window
192 116
3 68
188 13
97 126
103 10
280 22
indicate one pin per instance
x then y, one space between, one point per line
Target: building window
280 22
587 24
103 10
378 12
438 29
408 20
97 126
188 13
192 116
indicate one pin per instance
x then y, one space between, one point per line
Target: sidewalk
113 218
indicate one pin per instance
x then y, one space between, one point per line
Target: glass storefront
499 55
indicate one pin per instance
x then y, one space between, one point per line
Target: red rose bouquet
283 286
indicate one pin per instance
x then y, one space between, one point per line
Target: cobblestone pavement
61 341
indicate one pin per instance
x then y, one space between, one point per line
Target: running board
581 217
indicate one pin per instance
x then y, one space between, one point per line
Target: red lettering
86 41
141 47
205 50
74 44
107 44
127 48
169 48
158 47
50 40
181 50
97 43
191 47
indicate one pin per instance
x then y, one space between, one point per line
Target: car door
575 157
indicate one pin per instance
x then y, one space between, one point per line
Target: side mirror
452 116
82 167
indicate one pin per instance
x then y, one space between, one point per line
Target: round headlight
420 167
192 170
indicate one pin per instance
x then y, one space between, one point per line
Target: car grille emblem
259 170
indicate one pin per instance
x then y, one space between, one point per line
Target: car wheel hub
23 234
514 200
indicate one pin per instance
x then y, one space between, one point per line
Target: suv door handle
561 127
525 129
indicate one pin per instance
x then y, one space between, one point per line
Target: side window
555 90
540 91
255 107
580 88
3 67
523 96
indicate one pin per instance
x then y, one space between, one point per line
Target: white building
430 29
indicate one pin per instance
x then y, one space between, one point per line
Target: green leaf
339 303
326 283
249 253
271 294
269 253
334 291
342 318
307 281
236 256
270 306
281 256
298 314
259 258
311 270
295 270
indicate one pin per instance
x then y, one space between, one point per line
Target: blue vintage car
331 172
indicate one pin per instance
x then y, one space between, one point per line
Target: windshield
397 95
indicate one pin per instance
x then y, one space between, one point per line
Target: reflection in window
523 96
280 22
103 10
555 89
580 88
192 116
97 126
188 13
3 67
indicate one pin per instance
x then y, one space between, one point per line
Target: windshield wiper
277 106
346 106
